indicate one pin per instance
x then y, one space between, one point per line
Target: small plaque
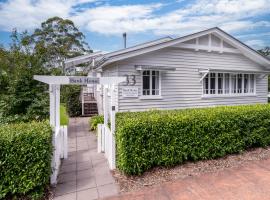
130 92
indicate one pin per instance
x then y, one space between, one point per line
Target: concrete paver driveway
251 181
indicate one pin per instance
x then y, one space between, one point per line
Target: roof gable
229 44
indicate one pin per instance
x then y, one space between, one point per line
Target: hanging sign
130 92
83 80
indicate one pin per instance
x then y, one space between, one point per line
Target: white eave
82 59
236 71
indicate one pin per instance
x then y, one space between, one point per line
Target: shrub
95 120
73 104
167 138
25 158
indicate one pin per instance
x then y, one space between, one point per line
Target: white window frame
230 94
159 80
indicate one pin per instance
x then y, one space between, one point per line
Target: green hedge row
25 158
166 138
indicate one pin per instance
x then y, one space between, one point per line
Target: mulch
160 175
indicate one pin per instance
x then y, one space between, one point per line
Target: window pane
220 83
212 83
234 84
246 83
227 84
205 84
252 80
155 82
146 83
239 79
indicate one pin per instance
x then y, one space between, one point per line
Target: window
227 84
151 82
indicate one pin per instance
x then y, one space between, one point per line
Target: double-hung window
150 83
229 84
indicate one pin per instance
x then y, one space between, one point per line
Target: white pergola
54 82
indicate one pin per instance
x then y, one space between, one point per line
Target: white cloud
231 15
257 44
28 14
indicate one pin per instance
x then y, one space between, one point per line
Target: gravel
160 175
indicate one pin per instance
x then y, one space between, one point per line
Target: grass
63 116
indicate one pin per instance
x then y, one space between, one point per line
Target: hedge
167 138
95 120
25 158
73 103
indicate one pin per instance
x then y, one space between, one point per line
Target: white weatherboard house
207 68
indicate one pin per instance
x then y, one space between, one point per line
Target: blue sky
104 21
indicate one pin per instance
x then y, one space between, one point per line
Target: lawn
63 115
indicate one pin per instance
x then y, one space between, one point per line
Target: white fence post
99 138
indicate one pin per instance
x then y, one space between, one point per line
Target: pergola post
55 123
54 105
105 104
112 120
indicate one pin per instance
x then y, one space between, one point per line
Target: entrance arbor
105 144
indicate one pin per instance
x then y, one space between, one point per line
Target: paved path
248 182
85 175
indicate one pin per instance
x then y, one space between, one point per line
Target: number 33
131 80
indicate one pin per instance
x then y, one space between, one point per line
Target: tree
265 51
22 95
57 40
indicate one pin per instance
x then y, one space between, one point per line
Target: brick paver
251 181
85 174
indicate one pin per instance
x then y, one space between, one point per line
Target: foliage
58 39
21 96
25 159
265 51
94 121
167 138
63 115
73 104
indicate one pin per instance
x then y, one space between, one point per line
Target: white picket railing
60 145
106 144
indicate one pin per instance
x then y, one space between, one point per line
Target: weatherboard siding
182 88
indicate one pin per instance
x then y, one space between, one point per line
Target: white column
83 101
57 105
105 104
52 105
112 112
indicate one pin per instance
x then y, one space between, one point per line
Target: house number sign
130 80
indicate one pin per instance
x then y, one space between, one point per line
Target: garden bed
160 175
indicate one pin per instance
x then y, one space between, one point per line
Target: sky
104 21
